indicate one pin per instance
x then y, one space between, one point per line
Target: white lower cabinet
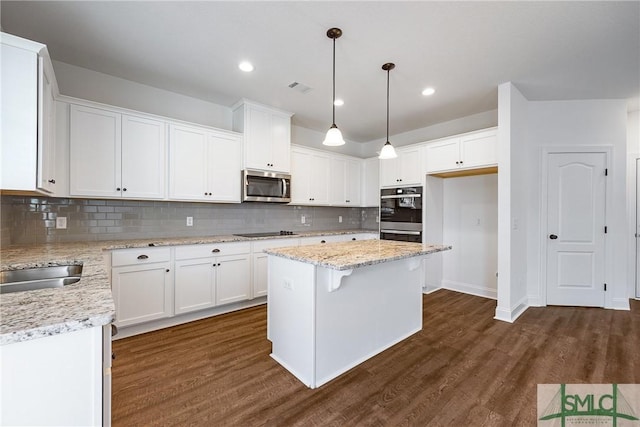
260 267
209 275
142 285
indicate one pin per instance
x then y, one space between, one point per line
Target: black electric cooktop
267 234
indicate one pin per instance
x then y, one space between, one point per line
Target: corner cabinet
204 164
116 155
267 136
463 154
403 170
27 121
142 285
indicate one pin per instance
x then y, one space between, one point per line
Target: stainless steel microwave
264 186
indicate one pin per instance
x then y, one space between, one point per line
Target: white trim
468 288
542 234
429 290
620 304
510 316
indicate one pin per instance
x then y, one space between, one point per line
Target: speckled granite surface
87 303
348 255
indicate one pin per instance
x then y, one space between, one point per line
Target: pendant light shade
334 136
388 152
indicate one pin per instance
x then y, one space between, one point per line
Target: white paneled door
576 195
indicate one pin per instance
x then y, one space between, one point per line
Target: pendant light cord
333 121
388 104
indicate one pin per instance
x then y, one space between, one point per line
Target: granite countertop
87 303
349 255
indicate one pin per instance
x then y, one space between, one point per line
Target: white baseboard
128 331
467 288
510 315
620 304
535 301
430 289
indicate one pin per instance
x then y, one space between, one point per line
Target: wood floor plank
463 368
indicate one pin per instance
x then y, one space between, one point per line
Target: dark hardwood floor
463 369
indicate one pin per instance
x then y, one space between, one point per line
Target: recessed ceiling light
246 66
428 91
338 102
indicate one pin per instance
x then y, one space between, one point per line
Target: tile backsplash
29 220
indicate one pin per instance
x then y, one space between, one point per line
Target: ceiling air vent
299 87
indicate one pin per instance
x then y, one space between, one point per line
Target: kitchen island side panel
290 316
374 308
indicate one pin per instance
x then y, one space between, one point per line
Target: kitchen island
331 307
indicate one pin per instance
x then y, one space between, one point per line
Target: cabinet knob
323 241
353 238
124 189
348 201
457 163
218 264
167 270
52 181
118 189
461 162
143 256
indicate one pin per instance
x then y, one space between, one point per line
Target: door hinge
605 287
605 229
606 172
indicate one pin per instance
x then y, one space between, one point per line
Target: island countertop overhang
355 254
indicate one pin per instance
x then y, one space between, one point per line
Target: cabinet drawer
212 250
275 243
139 256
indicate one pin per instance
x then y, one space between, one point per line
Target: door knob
553 236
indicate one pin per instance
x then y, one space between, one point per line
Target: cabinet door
260 274
300 177
188 163
233 278
337 181
389 176
443 155
95 137
410 166
46 130
142 293
480 149
352 184
195 284
319 181
224 166
280 143
144 149
370 196
258 139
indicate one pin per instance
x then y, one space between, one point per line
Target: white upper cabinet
116 155
403 170
204 165
466 152
370 193
309 180
27 121
344 181
267 136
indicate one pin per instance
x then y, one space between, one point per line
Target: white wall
470 226
581 123
512 194
91 85
477 121
313 139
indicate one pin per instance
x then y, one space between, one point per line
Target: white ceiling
550 50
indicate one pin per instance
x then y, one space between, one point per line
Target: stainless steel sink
30 279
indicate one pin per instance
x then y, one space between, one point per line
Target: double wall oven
401 214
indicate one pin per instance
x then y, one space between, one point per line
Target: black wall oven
401 214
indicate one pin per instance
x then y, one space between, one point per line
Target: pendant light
334 136
388 152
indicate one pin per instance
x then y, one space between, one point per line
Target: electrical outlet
303 219
339 218
288 284
377 218
61 222
189 221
